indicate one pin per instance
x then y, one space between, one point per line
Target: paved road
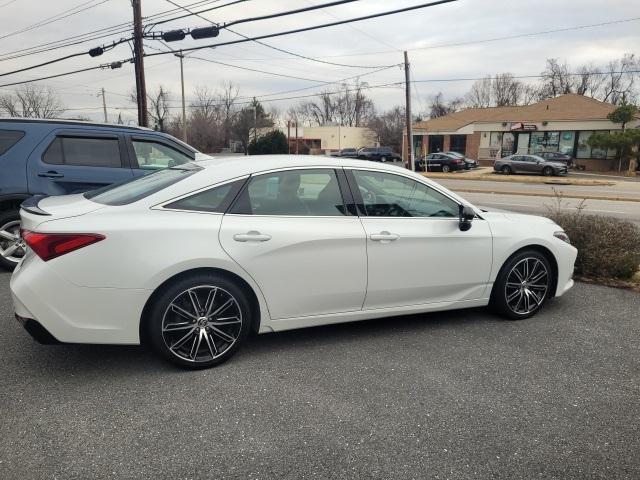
459 395
539 205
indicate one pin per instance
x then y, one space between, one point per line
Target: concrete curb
521 179
544 194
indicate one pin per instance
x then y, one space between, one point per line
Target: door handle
51 174
251 236
384 237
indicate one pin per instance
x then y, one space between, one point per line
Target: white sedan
191 259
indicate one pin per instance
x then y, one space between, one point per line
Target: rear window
8 138
139 188
84 151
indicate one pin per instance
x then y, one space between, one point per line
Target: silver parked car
531 164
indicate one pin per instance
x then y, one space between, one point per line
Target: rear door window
84 151
8 138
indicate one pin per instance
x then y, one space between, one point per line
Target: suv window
141 187
84 151
389 195
216 199
294 192
154 155
8 138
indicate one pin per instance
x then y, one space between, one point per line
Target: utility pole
184 108
407 82
138 56
104 105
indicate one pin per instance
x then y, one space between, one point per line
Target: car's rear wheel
547 171
446 168
522 285
383 159
199 321
506 170
12 246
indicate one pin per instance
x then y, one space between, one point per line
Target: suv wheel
12 247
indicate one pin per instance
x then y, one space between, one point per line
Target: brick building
563 124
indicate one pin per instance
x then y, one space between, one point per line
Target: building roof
564 107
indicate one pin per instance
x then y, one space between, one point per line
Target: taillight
52 245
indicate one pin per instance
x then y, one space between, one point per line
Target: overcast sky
427 34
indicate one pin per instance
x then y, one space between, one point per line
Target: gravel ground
449 395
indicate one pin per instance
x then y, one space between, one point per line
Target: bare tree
227 99
157 107
31 101
205 123
348 107
556 79
439 108
506 90
619 82
479 96
588 80
389 127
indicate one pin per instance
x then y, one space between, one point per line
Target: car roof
60 121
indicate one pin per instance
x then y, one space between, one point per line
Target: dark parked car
442 162
557 157
346 152
378 154
469 162
529 164
58 157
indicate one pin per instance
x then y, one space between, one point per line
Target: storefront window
567 140
495 140
508 140
584 150
537 142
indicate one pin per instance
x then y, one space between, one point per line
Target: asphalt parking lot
449 395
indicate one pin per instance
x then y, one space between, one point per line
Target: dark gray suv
531 164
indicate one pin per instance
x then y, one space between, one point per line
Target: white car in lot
191 259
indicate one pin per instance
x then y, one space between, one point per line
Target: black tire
500 293
547 171
8 220
446 168
154 323
506 170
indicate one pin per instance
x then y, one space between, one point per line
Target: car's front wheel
506 170
446 168
199 321
12 246
547 171
522 286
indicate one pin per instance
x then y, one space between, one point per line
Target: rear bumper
46 303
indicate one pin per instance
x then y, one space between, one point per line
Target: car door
417 253
150 153
73 161
292 232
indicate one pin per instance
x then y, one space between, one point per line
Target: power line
8 3
198 13
104 66
53 18
282 50
314 27
66 57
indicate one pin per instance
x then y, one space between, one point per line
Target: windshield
139 188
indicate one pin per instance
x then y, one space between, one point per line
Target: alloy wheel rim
527 285
12 246
201 323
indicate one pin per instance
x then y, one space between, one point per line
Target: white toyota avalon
191 259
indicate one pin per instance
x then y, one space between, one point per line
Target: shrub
274 142
607 247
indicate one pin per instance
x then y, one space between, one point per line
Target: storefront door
522 143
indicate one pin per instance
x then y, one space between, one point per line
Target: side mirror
466 217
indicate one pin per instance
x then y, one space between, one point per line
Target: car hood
492 216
